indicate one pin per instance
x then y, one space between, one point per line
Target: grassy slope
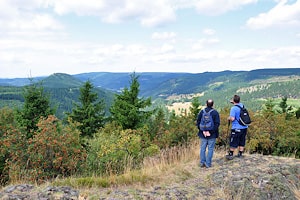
175 174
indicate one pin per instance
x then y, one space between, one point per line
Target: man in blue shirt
238 131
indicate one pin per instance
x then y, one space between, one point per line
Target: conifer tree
128 109
90 113
194 109
158 125
36 105
283 104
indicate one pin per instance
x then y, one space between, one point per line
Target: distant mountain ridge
60 80
254 85
63 90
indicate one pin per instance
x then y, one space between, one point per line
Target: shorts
238 137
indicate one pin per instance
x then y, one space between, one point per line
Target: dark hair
209 103
236 98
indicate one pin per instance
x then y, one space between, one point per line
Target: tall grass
153 168
170 157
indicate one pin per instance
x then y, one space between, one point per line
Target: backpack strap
208 111
240 106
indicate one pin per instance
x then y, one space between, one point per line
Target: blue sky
42 37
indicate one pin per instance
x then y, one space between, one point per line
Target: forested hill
254 86
63 90
158 84
59 80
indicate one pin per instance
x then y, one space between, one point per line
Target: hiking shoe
239 156
229 157
202 165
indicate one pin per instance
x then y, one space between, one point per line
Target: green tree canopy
128 109
194 109
36 105
90 113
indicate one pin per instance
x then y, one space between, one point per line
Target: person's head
210 103
236 99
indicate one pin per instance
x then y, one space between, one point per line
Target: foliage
113 150
128 109
53 150
7 123
224 128
90 113
253 86
158 127
194 109
274 133
182 130
43 149
37 105
283 104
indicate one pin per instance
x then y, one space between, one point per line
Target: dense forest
93 139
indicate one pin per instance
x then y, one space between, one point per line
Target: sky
42 37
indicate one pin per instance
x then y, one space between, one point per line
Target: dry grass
171 166
295 190
180 107
156 169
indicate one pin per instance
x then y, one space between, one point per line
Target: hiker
238 131
209 134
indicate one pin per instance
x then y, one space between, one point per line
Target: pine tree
283 104
90 113
128 109
194 109
36 105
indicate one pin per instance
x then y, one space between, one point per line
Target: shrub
113 150
54 150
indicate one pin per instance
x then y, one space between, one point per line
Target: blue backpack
207 122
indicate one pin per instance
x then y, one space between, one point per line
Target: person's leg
233 144
203 151
210 146
242 142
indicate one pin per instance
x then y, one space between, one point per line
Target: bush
54 150
8 146
113 150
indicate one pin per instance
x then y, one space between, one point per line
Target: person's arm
230 118
231 115
199 118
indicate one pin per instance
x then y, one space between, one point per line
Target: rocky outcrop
252 177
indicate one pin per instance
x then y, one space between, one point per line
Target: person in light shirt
238 131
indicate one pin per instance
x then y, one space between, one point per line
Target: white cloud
283 14
204 43
218 7
33 22
79 7
32 38
148 13
17 17
167 48
209 31
163 35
